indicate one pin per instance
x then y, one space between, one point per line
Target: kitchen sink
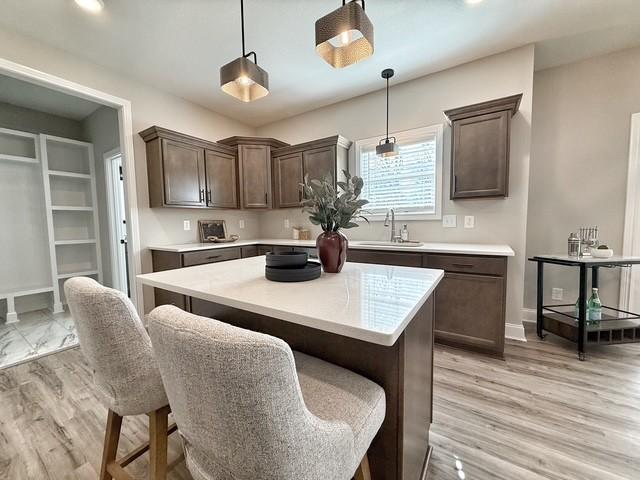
380 243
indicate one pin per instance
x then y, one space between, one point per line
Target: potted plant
333 211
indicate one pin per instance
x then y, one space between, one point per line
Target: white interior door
630 281
117 221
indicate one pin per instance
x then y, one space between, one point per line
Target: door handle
462 265
213 257
202 195
209 196
266 198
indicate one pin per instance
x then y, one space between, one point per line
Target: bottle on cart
594 307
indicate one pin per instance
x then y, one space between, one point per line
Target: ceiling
179 45
43 99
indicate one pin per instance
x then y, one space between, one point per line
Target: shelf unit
616 326
68 172
20 148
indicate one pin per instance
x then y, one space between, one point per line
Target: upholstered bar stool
249 408
118 349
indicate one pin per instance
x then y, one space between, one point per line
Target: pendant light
386 148
242 78
345 36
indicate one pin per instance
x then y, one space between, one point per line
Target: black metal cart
616 326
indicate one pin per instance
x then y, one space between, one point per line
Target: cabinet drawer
210 256
250 251
385 258
264 249
467 264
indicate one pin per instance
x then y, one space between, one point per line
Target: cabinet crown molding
154 132
511 103
238 140
338 140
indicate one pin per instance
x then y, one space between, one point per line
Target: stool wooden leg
111 439
158 437
363 472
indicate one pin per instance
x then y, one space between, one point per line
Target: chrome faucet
394 236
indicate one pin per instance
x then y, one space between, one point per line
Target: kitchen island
376 320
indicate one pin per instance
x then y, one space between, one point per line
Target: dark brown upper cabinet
254 169
222 179
480 136
316 159
189 172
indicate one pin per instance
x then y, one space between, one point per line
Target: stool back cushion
117 347
238 405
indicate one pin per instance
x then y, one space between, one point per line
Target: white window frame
402 137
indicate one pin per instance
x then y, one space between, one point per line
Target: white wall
150 106
421 102
33 121
579 157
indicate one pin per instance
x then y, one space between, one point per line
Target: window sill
402 216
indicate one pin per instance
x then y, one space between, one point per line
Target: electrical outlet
557 293
287 224
186 225
469 221
241 223
449 221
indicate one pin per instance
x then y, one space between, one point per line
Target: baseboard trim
514 331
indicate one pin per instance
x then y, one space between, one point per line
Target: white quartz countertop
373 303
426 247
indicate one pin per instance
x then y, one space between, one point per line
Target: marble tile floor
38 333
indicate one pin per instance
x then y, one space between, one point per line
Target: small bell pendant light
243 78
345 36
386 148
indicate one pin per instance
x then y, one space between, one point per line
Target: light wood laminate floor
540 414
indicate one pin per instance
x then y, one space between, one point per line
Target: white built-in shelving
66 187
68 169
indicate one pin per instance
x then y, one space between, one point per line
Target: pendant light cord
245 55
387 139
344 2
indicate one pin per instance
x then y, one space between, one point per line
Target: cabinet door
255 173
470 312
319 162
183 171
222 180
287 173
480 159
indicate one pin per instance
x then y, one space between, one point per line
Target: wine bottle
594 307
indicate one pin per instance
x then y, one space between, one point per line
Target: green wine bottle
594 307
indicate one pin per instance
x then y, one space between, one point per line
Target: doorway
630 280
117 212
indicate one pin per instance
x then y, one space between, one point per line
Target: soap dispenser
404 233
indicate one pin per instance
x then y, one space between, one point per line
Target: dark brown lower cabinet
470 312
469 302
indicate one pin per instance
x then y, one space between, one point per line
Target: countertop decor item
287 259
214 231
345 36
387 148
602 252
242 78
333 211
309 271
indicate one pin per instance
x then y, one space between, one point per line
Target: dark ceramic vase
332 250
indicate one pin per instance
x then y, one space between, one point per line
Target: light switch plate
241 223
469 221
287 224
557 293
186 225
449 221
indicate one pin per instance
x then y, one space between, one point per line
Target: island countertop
368 302
427 247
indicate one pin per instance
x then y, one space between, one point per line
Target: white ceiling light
93 6
472 2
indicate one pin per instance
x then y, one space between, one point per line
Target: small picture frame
212 230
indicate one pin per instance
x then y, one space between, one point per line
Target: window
411 183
